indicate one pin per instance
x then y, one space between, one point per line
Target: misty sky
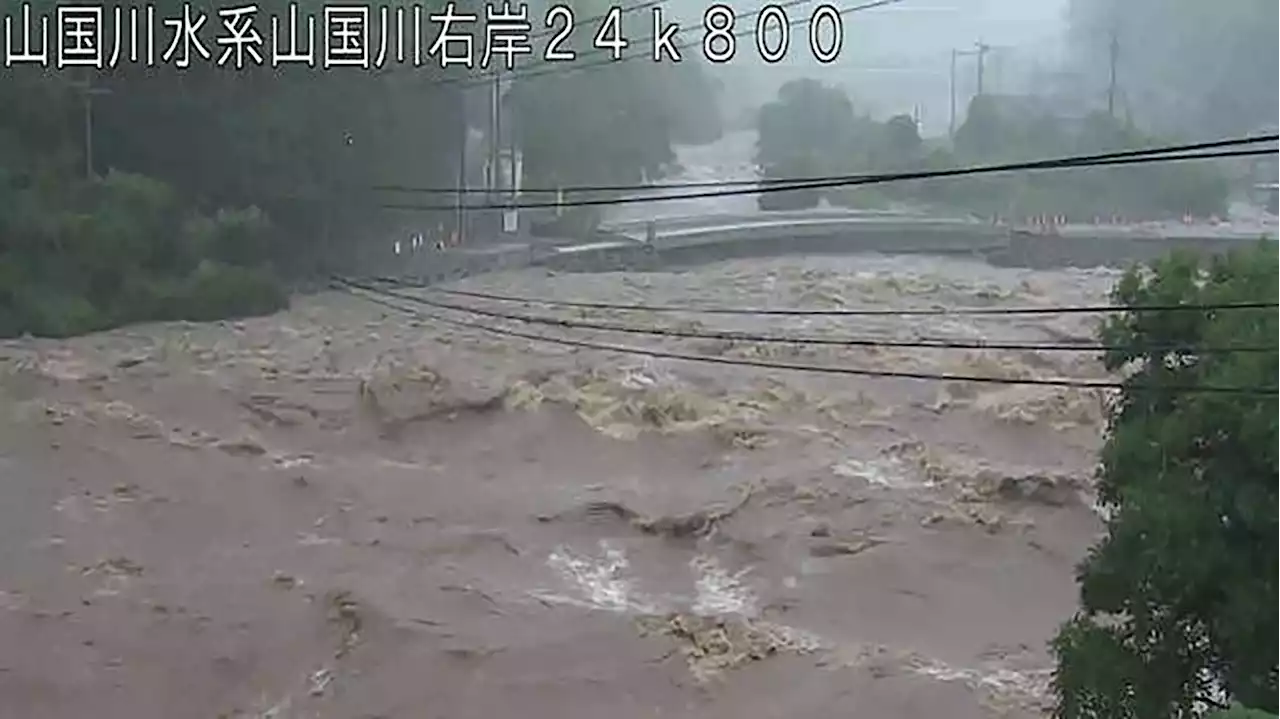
898 57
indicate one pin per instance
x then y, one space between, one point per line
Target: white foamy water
729 159
606 581
597 582
720 591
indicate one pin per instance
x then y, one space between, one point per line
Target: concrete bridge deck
697 240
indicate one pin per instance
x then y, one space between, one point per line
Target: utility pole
1111 85
955 55
951 125
460 218
495 137
511 223
981 51
87 93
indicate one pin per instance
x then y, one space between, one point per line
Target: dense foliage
1179 600
595 121
805 132
211 183
1239 712
813 130
93 254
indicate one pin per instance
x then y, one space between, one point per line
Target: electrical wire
824 369
772 181
734 336
1107 159
776 312
1058 164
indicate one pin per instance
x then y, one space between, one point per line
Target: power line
902 312
1110 159
1113 59
925 343
768 182
824 369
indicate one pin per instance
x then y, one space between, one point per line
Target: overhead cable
1104 159
842 312
787 181
736 336
824 369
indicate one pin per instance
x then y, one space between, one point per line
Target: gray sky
898 57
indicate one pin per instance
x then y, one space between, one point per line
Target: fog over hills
897 58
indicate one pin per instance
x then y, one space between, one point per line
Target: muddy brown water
342 511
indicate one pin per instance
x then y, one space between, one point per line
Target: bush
218 291
1239 712
212 291
121 249
234 237
1178 600
48 315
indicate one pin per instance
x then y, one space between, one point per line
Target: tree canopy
809 130
208 180
606 118
595 120
1178 601
813 130
252 173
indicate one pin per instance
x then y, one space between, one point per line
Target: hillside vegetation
813 130
197 193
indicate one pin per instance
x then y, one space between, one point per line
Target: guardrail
776 236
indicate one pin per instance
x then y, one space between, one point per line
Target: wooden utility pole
1111 85
981 50
87 92
951 125
460 218
955 55
496 186
511 216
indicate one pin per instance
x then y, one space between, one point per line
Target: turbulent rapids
363 511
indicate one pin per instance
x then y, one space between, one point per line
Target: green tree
1179 599
808 131
210 181
901 144
983 135
594 121
1000 129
